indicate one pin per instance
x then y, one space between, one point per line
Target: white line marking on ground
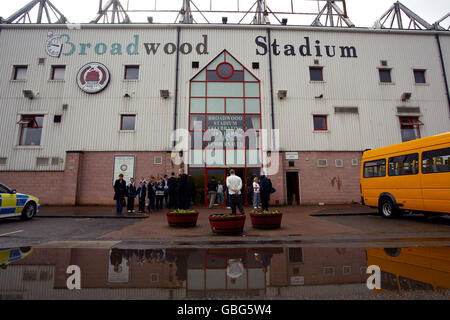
7 234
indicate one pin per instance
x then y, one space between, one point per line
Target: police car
11 255
13 204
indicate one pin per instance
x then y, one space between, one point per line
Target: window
320 123
435 161
131 72
295 255
419 76
20 73
128 122
30 130
225 115
410 128
339 163
376 168
388 281
322 163
58 72
3 189
157 160
410 284
346 270
404 165
385 75
316 73
42 162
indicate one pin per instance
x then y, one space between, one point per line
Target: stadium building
81 103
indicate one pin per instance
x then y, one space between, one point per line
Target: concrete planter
227 223
266 220
182 219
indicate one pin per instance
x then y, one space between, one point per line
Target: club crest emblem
93 77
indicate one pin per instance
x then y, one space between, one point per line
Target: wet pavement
318 253
107 271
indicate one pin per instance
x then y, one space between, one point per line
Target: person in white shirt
234 185
256 193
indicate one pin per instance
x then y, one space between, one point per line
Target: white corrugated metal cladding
91 122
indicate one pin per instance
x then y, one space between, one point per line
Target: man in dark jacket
120 190
183 190
142 193
265 188
131 194
172 183
151 194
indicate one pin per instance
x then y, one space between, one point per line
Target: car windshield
4 189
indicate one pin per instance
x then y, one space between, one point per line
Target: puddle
281 272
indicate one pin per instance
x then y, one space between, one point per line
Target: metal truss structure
112 12
46 13
441 23
400 17
332 16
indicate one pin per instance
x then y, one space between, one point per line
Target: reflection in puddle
267 272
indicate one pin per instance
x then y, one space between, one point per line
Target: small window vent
56 161
346 270
158 160
408 110
291 163
255 65
384 63
355 162
346 109
339 163
42 162
3 161
57 118
195 64
41 61
316 62
29 275
154 277
322 163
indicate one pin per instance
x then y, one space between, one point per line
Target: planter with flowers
227 223
266 219
182 218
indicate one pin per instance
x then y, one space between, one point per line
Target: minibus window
436 161
404 165
375 168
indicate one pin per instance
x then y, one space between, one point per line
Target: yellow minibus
410 176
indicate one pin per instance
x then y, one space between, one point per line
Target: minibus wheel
387 208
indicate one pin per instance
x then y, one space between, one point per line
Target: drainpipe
443 69
271 89
176 83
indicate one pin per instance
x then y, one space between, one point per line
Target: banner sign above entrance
224 122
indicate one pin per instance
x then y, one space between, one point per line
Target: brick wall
330 185
87 179
95 185
42 184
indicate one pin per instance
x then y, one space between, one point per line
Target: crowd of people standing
153 193
177 192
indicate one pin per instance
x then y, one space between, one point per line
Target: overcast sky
363 13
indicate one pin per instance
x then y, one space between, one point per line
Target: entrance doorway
293 188
200 177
